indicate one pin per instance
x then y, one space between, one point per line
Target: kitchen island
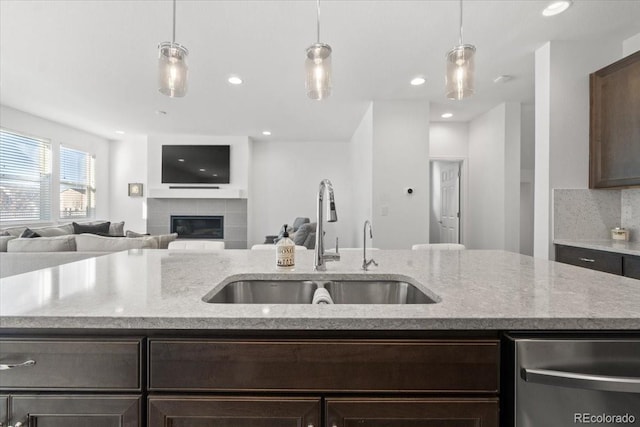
128 340
476 290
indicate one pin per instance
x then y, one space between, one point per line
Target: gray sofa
56 245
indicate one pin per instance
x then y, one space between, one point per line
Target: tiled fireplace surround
234 211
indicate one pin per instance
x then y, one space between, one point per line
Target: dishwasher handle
582 381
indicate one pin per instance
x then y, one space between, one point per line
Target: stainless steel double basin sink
350 290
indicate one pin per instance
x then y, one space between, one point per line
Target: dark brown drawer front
65 364
608 262
450 412
631 266
335 365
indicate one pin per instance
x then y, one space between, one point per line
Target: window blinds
25 178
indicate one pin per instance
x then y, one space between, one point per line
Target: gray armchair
302 232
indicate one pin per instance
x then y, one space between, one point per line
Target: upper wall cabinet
615 125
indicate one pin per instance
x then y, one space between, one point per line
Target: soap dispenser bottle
285 253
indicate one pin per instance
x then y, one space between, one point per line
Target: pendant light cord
460 22
317 19
173 38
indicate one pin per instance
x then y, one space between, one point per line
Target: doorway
445 212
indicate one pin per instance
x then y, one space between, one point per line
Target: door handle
583 381
17 365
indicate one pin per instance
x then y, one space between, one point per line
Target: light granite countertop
478 290
617 246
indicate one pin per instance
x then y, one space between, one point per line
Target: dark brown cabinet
71 382
609 262
347 412
614 147
75 411
631 266
208 411
466 370
4 410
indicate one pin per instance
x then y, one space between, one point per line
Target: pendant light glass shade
318 71
460 72
172 69
459 80
172 65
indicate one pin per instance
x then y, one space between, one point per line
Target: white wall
448 140
361 158
286 178
631 45
527 166
239 158
512 165
128 164
57 133
494 179
400 160
562 71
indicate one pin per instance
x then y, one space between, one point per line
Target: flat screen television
195 164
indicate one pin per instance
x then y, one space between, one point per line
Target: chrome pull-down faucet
320 256
365 263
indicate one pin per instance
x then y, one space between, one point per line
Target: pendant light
172 65
460 68
318 67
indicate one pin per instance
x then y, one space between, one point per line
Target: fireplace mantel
196 193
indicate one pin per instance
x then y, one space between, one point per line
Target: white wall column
400 160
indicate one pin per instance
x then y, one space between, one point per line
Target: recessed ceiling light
202 170
120 132
447 115
181 160
417 81
266 132
161 112
556 7
235 80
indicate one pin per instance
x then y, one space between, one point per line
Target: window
25 178
77 184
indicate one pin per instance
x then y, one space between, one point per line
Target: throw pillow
91 228
60 230
117 229
43 244
29 234
164 240
4 240
4 233
93 243
130 233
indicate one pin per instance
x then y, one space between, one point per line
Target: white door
450 202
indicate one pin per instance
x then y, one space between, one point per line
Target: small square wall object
135 189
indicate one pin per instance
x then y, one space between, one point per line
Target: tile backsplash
580 214
631 212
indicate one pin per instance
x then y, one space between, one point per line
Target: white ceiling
92 64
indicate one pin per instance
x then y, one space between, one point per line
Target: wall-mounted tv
195 164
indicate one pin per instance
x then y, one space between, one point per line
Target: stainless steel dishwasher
561 382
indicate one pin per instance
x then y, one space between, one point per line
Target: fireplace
198 226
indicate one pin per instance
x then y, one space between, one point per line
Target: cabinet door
75 411
4 402
191 411
412 412
631 267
